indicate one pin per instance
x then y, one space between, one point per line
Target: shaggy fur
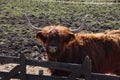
102 48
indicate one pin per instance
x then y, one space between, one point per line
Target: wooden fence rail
19 71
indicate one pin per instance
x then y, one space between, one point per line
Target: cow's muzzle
52 49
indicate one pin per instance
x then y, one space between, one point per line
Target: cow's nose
52 49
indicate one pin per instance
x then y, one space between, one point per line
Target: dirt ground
15 39
16 44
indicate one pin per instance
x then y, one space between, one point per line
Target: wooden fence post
23 67
41 72
88 69
84 69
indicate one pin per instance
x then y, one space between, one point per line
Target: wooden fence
19 71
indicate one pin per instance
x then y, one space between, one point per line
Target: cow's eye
70 37
41 37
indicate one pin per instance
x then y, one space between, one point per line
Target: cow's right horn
30 24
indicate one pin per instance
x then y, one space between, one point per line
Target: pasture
16 36
15 33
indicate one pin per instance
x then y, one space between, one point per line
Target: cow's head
55 38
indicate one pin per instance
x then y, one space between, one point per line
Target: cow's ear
41 37
70 37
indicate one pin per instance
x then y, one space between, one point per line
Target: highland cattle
69 46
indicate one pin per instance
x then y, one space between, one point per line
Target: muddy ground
17 38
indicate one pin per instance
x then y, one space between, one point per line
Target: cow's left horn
30 24
81 25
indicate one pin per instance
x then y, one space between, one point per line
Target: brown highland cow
69 46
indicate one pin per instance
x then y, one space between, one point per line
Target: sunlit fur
102 48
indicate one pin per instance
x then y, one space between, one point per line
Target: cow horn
30 24
81 25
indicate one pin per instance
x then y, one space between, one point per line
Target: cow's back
103 49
